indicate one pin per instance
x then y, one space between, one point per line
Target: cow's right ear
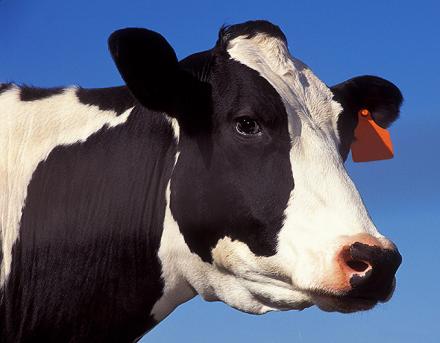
149 67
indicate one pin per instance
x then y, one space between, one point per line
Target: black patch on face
85 265
382 98
118 99
249 29
4 87
33 93
225 184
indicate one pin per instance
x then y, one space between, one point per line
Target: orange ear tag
371 142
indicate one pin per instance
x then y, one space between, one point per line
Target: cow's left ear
149 67
380 97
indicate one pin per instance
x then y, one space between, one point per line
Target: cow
220 175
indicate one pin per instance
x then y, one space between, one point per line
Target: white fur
29 131
174 126
324 206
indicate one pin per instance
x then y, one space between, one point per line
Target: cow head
262 214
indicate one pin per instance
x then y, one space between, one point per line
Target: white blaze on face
29 131
324 205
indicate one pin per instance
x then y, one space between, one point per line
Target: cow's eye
247 126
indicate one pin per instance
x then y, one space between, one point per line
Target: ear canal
149 67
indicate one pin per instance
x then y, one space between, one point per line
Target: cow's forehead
305 97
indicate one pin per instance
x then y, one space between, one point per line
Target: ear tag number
371 142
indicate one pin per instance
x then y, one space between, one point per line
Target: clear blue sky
56 42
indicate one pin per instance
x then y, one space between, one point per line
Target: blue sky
53 42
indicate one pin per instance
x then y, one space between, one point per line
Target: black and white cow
221 175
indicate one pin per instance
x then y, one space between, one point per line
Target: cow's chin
329 302
266 298
260 298
343 304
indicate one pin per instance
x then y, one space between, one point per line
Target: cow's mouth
348 303
344 304
325 301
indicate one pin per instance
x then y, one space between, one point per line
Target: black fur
149 66
34 93
382 98
85 268
118 99
4 87
199 65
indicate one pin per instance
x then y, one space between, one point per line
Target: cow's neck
99 227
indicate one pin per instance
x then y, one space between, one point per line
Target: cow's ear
149 67
380 97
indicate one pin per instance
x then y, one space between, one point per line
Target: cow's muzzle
371 270
363 274
368 266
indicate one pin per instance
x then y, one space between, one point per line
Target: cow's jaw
237 277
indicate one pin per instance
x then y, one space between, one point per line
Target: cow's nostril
358 266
